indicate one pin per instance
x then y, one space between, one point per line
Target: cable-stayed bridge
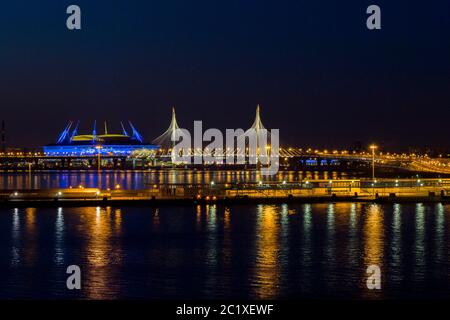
307 157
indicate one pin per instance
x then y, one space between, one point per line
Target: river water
133 180
239 251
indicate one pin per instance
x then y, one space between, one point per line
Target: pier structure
398 190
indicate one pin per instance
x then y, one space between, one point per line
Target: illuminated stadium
70 142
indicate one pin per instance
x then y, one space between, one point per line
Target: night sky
318 73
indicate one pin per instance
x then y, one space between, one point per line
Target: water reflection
15 238
156 219
213 251
59 237
419 246
198 217
396 247
143 179
284 247
353 219
373 236
352 248
373 231
30 246
267 248
227 253
330 246
117 222
306 247
102 255
440 231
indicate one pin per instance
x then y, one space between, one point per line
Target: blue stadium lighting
65 132
70 143
75 131
136 134
123 129
117 150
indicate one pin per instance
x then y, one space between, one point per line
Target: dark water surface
242 251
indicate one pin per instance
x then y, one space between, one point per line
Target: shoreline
55 203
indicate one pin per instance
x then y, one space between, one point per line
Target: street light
98 157
373 147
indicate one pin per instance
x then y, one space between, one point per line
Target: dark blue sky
318 73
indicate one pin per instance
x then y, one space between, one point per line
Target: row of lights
207 198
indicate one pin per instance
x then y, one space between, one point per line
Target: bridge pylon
165 139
